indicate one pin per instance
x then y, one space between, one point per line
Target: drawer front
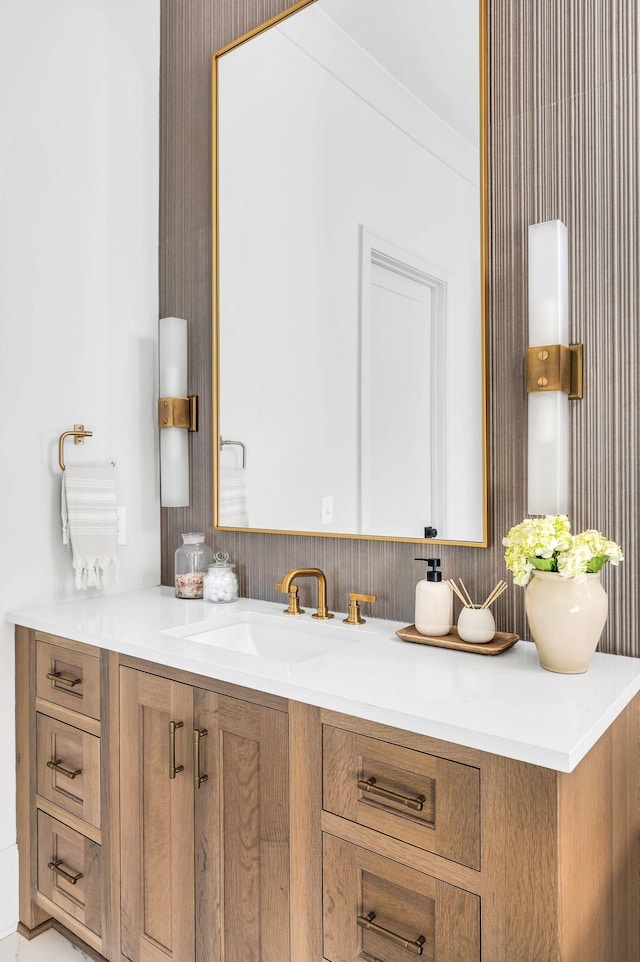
418 798
68 768
68 678
65 855
375 908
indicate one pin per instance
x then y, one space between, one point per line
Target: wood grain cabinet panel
68 768
419 798
156 837
373 904
69 677
242 831
60 785
205 847
70 872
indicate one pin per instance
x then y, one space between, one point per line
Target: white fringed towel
233 503
90 522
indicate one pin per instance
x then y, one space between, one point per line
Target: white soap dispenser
434 602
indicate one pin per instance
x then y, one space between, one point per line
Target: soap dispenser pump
434 602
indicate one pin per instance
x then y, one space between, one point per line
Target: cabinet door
157 912
68 768
423 799
242 832
69 677
70 873
375 908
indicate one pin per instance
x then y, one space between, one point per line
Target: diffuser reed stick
457 591
470 602
494 594
464 596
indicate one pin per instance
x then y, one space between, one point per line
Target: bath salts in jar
221 581
192 560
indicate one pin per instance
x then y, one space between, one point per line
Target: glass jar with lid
191 562
221 581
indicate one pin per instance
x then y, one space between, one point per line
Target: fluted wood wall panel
563 141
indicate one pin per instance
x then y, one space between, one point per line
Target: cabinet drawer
65 855
68 768
371 905
68 678
421 799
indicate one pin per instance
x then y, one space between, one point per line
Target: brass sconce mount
178 412
555 367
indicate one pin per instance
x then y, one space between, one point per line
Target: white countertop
505 704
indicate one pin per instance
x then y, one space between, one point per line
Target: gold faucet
354 617
286 586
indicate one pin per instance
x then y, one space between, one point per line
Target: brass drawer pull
68 682
366 922
55 867
173 768
369 785
57 767
198 779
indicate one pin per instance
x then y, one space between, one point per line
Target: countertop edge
563 759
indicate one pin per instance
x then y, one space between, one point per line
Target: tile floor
48 947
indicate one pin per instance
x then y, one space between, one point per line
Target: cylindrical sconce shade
172 350
548 434
174 442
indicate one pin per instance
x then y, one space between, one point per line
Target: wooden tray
498 644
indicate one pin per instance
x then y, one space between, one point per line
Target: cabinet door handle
55 867
198 779
369 785
58 677
366 922
57 767
173 768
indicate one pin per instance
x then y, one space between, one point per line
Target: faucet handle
294 602
354 608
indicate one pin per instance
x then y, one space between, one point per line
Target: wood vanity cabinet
372 904
210 823
437 850
162 831
204 824
61 785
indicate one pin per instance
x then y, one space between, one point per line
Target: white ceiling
430 46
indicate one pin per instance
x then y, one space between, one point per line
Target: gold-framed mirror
350 250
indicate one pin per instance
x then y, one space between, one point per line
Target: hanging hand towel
90 522
233 508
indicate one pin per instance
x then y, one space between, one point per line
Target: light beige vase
566 619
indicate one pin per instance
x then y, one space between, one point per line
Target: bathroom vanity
200 782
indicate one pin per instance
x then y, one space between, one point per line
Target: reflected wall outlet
326 513
122 524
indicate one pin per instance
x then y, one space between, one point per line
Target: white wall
78 300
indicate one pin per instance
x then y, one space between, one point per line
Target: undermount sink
277 637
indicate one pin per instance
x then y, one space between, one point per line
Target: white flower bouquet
546 544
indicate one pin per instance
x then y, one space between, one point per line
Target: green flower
548 545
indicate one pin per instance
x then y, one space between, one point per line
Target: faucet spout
285 585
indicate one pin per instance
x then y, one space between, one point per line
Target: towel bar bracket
78 434
239 444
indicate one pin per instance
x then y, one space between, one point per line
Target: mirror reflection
349 277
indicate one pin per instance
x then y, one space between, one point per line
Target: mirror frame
484 290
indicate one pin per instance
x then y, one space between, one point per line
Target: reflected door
401 340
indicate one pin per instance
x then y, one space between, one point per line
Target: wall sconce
554 369
177 413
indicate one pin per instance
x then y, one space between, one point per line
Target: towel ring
78 434
239 444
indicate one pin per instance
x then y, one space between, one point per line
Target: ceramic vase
566 619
